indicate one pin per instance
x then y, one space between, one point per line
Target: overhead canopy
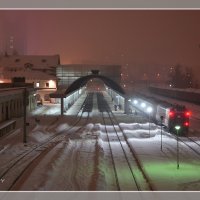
83 80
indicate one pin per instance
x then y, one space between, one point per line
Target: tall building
13 34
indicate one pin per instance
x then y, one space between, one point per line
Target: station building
40 71
43 75
47 74
67 74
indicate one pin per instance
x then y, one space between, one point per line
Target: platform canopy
83 81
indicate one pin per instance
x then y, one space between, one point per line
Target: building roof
83 80
31 75
35 61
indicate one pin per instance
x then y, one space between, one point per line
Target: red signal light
187 114
186 124
171 114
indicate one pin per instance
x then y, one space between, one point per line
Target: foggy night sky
134 37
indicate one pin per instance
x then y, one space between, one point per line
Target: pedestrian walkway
111 104
75 108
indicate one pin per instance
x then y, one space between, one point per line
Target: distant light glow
186 124
143 105
149 109
187 114
135 102
177 127
171 114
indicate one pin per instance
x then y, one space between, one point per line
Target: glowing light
135 101
171 114
143 105
177 127
187 114
186 124
149 109
52 84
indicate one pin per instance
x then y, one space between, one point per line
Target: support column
15 108
61 106
126 107
4 111
24 106
1 112
9 109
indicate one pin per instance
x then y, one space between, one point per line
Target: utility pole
25 103
161 119
177 127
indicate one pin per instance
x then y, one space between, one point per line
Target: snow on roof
33 75
37 61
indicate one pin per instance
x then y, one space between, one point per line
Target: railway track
30 157
185 141
129 155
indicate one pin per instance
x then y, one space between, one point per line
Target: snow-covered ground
79 157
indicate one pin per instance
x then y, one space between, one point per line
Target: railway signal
177 127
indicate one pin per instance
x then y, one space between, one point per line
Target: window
37 84
47 84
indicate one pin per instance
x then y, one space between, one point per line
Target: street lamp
177 127
149 110
25 103
135 101
143 105
161 119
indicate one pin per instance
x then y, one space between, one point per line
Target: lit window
37 84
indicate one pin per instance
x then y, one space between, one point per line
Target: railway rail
189 139
43 148
125 148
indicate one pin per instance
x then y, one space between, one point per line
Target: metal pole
149 125
177 152
61 106
161 118
161 137
24 102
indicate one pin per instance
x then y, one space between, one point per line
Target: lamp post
149 110
161 119
177 127
25 104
